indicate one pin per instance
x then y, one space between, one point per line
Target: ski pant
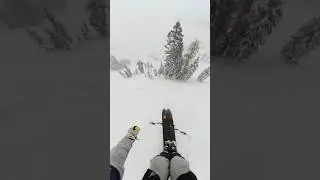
118 156
161 168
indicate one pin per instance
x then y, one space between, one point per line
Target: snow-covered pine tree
136 72
190 61
192 69
140 66
161 69
306 39
127 71
98 19
59 38
115 65
155 72
204 74
149 75
173 50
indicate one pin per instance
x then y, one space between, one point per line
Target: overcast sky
139 27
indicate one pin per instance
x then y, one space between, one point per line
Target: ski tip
169 113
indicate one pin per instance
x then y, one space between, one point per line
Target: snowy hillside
140 101
117 65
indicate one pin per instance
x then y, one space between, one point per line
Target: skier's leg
159 168
179 169
119 153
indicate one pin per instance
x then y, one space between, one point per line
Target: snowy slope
140 101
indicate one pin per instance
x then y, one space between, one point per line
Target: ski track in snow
140 101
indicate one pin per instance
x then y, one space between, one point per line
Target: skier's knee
178 167
159 161
160 165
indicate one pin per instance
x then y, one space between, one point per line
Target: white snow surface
139 101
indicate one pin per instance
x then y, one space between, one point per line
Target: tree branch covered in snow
204 74
190 61
240 27
306 39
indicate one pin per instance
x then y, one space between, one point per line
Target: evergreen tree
98 19
161 69
173 50
155 72
204 74
140 66
192 69
136 72
306 39
190 61
127 71
115 65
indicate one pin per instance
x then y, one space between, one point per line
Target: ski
168 131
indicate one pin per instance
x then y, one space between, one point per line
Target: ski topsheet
168 127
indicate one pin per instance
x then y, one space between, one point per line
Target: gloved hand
133 132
